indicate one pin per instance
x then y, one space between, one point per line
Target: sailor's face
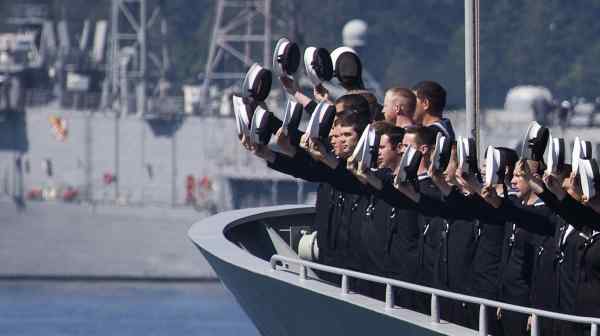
420 109
519 184
390 108
388 155
450 172
409 139
348 139
334 137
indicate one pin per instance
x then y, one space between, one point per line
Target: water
52 308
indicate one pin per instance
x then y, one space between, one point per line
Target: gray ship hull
238 246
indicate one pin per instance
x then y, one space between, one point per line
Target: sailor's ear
426 104
398 148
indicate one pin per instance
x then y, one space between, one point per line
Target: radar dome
354 33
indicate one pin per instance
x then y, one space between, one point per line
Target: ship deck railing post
345 289
435 294
482 320
389 296
435 309
302 272
535 328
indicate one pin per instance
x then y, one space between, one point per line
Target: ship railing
390 284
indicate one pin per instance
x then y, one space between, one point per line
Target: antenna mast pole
237 40
472 68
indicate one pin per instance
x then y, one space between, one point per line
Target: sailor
458 238
431 101
399 106
583 258
566 244
529 224
296 162
379 219
458 241
423 139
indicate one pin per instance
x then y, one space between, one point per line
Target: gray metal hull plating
278 302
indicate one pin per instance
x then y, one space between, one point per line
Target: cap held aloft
243 116
467 155
317 64
441 152
408 166
259 129
535 142
347 67
589 176
292 116
321 121
555 159
286 57
257 83
581 150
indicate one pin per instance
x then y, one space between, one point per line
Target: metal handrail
305 266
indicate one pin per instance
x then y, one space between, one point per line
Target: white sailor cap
466 150
257 82
581 150
321 121
589 176
408 166
441 152
535 142
347 67
292 115
555 159
286 57
317 64
492 166
259 128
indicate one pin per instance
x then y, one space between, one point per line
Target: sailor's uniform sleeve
531 218
303 166
275 124
577 214
300 166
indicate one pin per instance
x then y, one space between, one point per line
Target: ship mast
472 69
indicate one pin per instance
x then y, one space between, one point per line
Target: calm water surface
115 309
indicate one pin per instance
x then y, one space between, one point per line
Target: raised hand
489 194
321 93
438 179
304 142
319 152
289 84
553 184
246 142
468 182
284 143
263 152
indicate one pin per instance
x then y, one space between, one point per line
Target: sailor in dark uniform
567 244
529 225
470 248
431 101
331 197
422 138
580 254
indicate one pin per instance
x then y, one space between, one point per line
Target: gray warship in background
88 116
